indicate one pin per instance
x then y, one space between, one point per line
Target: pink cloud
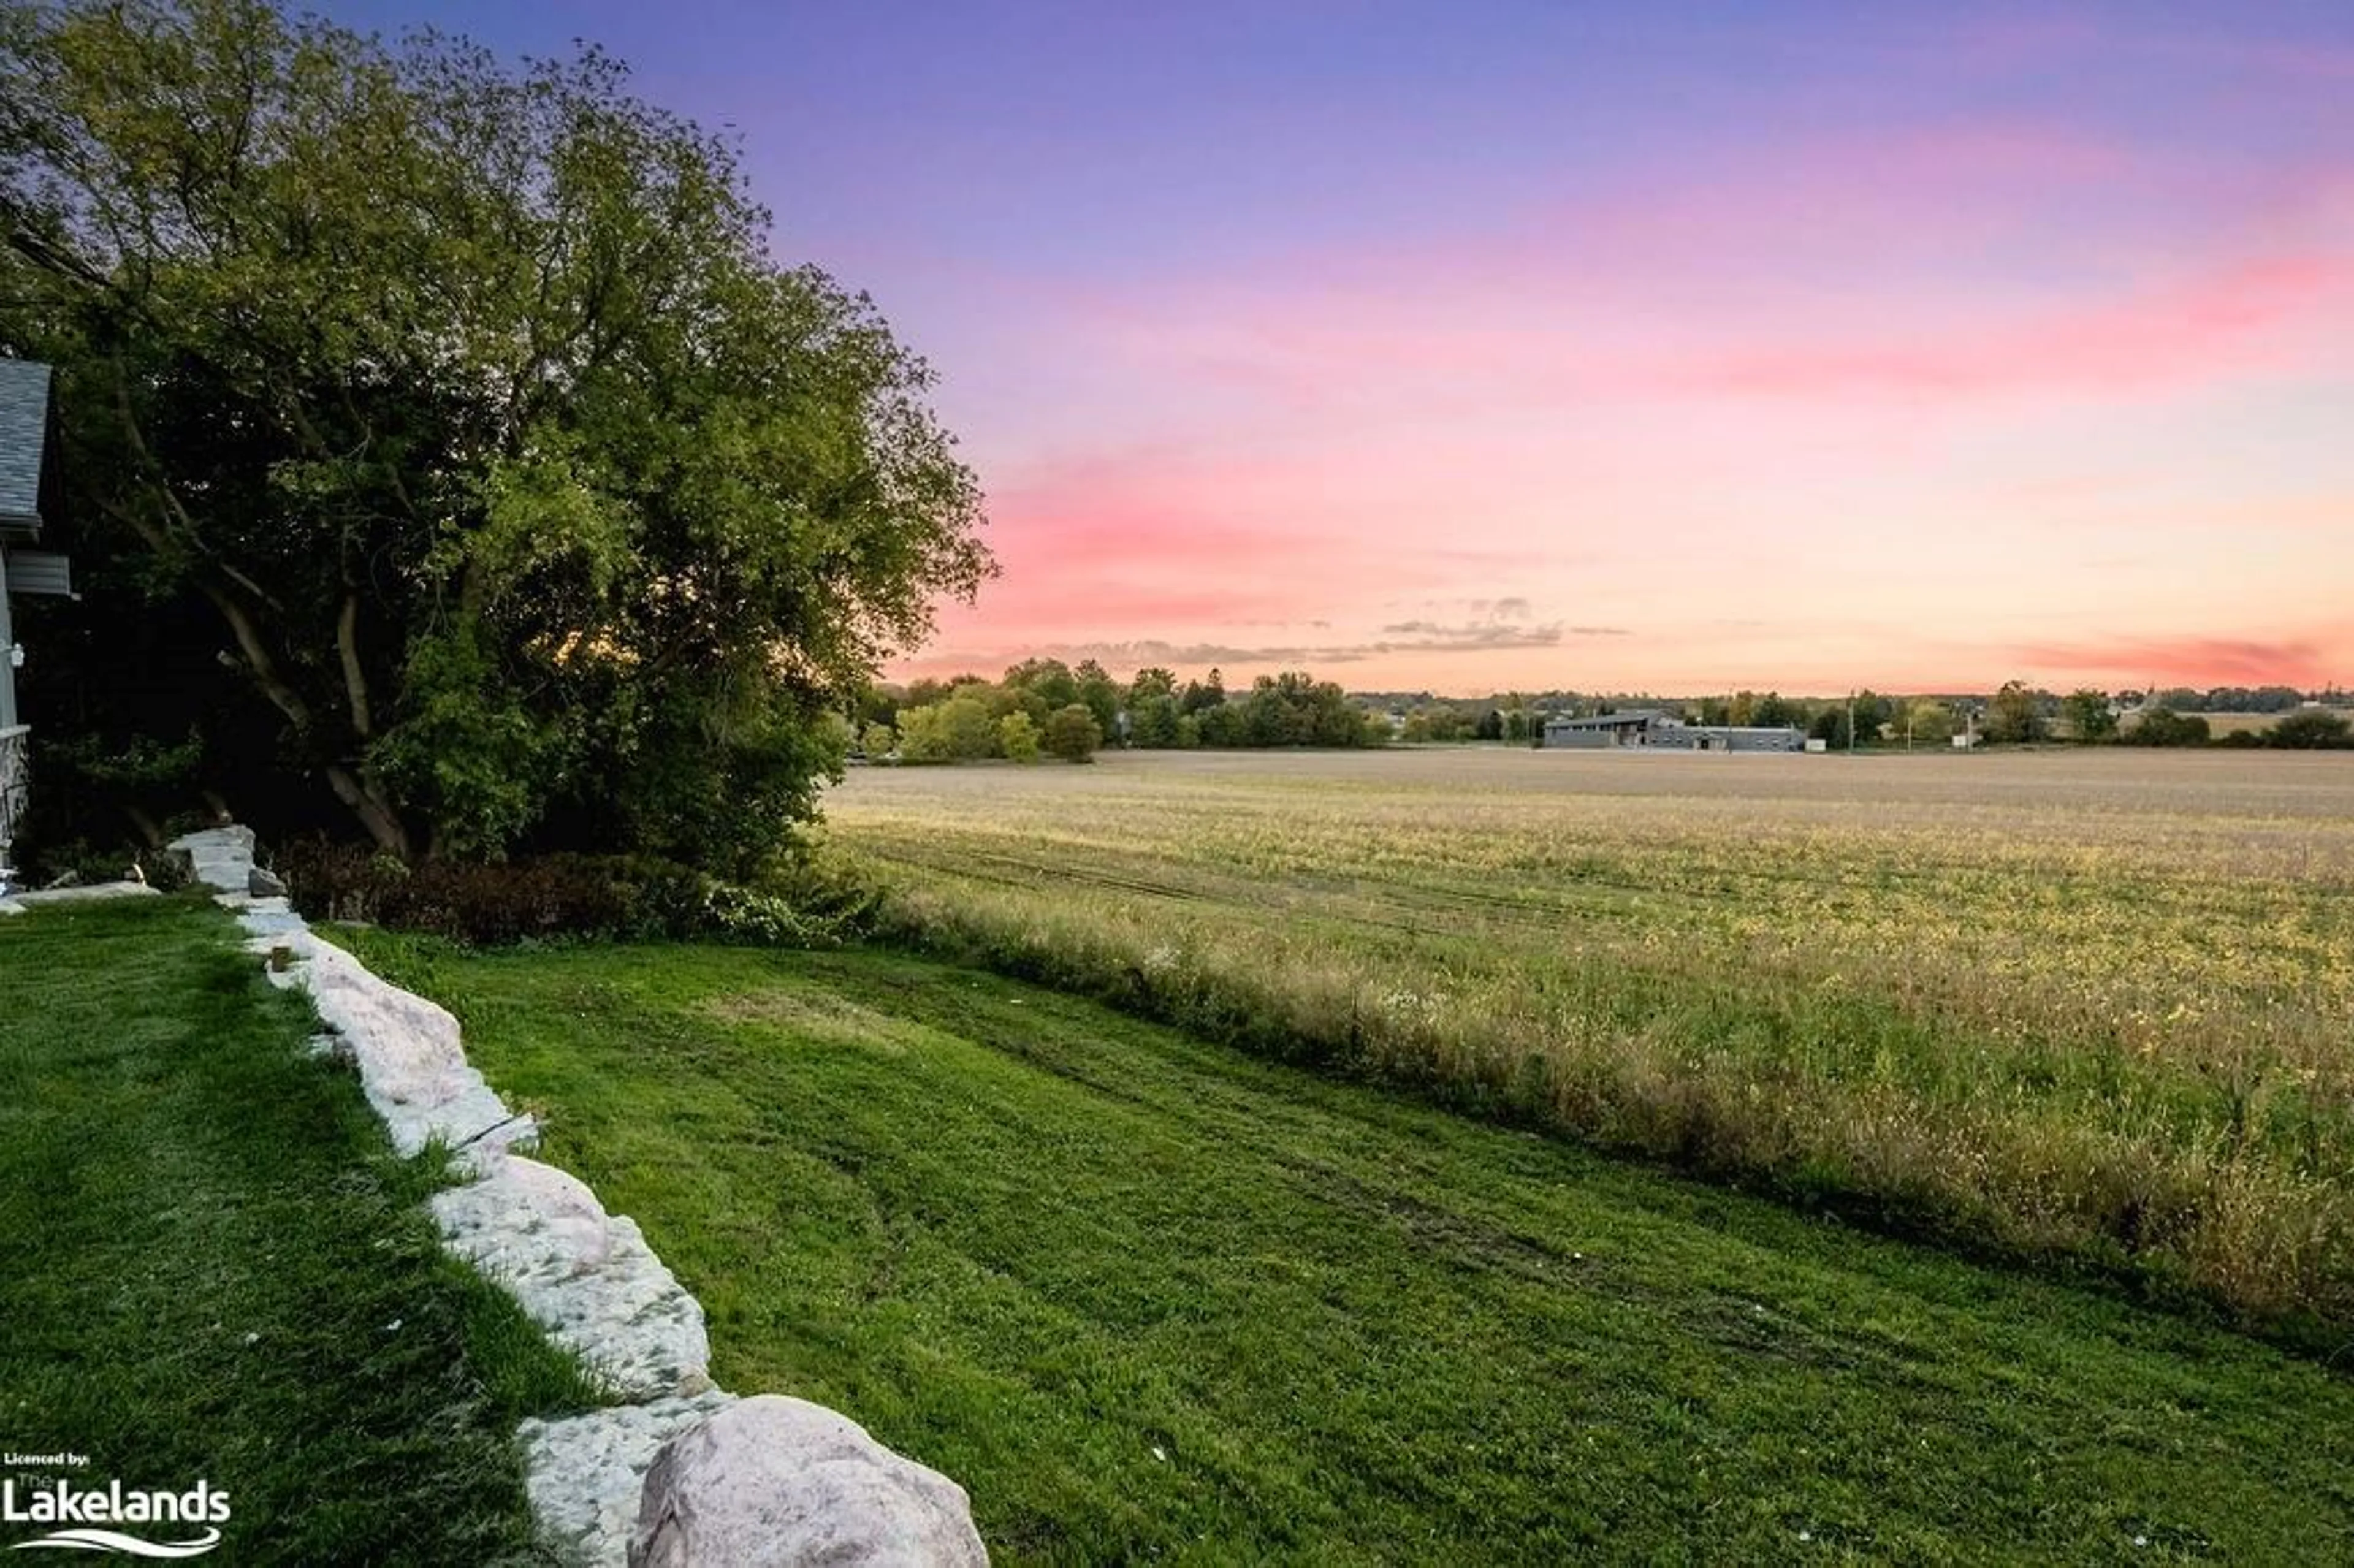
2245 316
1799 373
1969 262
2191 661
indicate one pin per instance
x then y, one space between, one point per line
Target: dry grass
2220 724
2092 1004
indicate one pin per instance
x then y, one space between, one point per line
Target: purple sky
1601 346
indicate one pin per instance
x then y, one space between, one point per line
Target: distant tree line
2228 699
1043 706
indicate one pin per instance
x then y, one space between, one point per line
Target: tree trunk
375 812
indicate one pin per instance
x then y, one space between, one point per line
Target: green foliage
2311 729
1101 697
1210 691
877 740
2088 714
470 755
1873 714
80 860
1154 721
923 737
1072 733
1867 711
1048 680
2015 716
2164 726
1438 723
1927 719
970 728
1768 710
961 728
540 508
554 896
1295 709
1017 738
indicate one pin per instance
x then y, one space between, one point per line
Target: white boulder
771 1482
220 858
585 1276
586 1473
412 1064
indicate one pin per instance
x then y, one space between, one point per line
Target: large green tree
2015 715
458 415
2089 715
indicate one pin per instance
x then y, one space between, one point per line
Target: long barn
1654 730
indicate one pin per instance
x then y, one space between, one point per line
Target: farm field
2087 1006
1151 1298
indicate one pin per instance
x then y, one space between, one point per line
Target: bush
1072 733
2311 729
2164 726
1018 737
635 897
77 861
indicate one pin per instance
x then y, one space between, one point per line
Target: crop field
2092 1007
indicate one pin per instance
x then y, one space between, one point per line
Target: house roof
24 427
1607 721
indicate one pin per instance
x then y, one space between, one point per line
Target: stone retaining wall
737 1482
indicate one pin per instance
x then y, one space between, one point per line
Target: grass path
211 1264
1149 1298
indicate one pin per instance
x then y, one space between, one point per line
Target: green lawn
212 1266
1147 1297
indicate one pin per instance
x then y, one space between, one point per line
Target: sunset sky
1478 346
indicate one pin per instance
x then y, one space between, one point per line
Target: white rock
586 1473
587 1276
772 1481
220 857
410 1062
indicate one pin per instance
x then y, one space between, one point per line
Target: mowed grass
2090 1007
212 1266
1149 1298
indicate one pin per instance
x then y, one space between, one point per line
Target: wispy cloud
2185 661
2082 339
1411 637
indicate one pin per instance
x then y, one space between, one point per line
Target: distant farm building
1655 730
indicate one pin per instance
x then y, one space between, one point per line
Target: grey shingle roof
24 423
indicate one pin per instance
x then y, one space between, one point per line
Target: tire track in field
1390 906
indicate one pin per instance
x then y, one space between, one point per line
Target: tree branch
348 644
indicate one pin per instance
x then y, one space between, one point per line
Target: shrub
2311 729
1072 733
79 861
1018 737
625 896
2164 726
